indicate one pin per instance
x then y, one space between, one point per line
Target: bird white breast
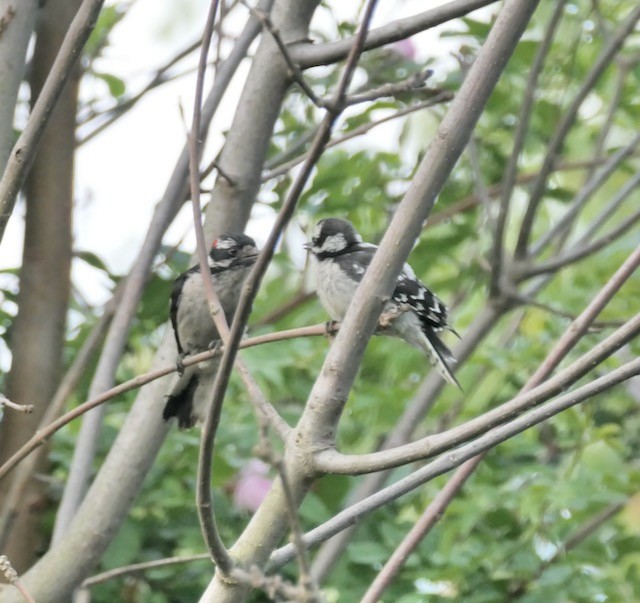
335 289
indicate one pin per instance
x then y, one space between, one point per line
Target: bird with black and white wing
413 313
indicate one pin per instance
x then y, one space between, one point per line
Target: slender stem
554 147
250 287
415 536
511 171
44 433
312 55
572 257
466 457
587 191
282 169
135 568
23 152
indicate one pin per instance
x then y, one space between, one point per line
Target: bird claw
391 313
180 364
214 345
331 327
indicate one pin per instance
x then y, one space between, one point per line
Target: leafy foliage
503 538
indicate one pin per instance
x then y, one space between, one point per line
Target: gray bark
37 338
17 20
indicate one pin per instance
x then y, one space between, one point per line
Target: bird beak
308 246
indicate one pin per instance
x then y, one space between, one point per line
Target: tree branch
312 55
511 171
282 169
23 152
470 452
331 461
24 408
45 433
583 196
553 149
580 253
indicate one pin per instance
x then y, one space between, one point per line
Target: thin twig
417 81
112 114
572 257
469 455
135 568
294 70
510 175
11 576
43 434
23 152
443 97
210 531
24 408
562 129
585 194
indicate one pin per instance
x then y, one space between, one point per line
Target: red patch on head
214 244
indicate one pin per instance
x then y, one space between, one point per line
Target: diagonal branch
553 150
312 55
45 432
330 461
511 172
470 452
23 152
587 191
581 252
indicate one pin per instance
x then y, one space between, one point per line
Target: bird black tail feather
442 358
180 405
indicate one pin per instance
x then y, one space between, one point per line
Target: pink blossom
252 485
406 48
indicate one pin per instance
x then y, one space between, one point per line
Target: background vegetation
550 515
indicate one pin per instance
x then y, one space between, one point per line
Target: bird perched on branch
413 313
230 260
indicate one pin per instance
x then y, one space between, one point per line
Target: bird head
231 249
331 237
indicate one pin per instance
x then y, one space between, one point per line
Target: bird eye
232 250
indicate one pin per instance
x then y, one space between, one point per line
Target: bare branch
135 568
311 55
555 145
45 433
470 452
594 183
608 210
417 81
23 152
122 108
426 521
294 70
11 576
359 131
582 252
331 461
24 408
511 170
